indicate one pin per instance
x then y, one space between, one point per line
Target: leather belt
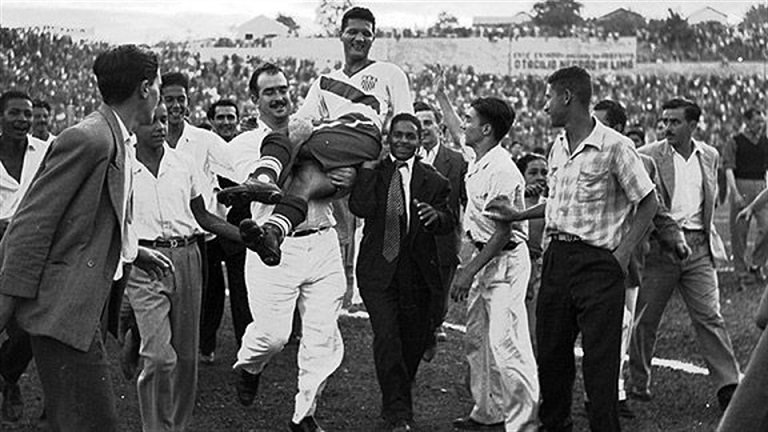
172 243
563 237
507 247
304 233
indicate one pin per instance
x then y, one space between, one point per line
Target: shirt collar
408 163
128 137
35 144
596 137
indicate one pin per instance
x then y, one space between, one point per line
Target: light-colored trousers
749 189
168 316
627 322
311 275
503 375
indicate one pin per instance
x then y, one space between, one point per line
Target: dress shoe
307 424
129 354
625 411
264 240
247 387
13 406
642 395
724 395
251 190
468 423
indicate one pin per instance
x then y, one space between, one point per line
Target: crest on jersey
368 82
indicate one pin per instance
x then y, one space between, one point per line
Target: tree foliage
557 16
329 13
756 16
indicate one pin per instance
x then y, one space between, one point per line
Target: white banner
529 55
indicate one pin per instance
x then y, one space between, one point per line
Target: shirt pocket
591 185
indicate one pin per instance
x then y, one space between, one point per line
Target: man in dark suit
405 205
63 248
451 165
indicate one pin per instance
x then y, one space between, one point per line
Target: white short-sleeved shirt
492 176
11 191
162 204
363 100
246 151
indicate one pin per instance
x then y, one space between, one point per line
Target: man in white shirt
20 157
350 107
688 172
311 275
168 209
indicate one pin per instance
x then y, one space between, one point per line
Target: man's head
270 92
430 124
224 116
611 114
129 73
16 108
679 117
487 120
175 90
568 90
404 136
534 169
754 121
152 136
514 147
636 134
41 116
358 30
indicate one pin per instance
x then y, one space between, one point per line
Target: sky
151 20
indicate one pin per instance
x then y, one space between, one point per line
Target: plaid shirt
592 192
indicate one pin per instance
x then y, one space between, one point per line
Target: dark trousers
15 353
582 291
77 385
401 330
238 294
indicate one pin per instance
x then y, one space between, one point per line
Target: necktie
395 209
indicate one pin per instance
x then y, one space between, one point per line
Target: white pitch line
666 363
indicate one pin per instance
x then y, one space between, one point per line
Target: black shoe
724 395
307 424
468 423
625 411
264 240
251 190
642 395
13 406
247 387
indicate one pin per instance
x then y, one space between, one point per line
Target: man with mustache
349 108
688 187
207 155
310 277
20 157
41 121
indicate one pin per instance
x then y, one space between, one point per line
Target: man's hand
534 189
154 263
438 82
371 164
746 213
682 250
342 178
427 214
461 284
501 209
622 257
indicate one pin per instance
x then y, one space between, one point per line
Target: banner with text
531 55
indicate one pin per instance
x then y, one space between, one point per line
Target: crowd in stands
58 70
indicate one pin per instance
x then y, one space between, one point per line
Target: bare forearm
495 244
730 180
643 218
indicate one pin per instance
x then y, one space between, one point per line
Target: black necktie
395 209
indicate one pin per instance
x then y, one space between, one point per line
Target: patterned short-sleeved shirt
592 192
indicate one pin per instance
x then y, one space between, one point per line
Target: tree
557 16
756 16
681 35
293 27
329 14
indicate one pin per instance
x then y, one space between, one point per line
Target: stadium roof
261 27
518 18
619 13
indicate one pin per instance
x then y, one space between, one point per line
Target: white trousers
503 374
311 275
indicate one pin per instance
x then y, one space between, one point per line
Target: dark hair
575 79
39 103
119 71
419 106
358 13
221 103
404 116
636 129
175 79
750 113
497 113
522 163
615 114
205 125
12 94
540 150
691 111
267 68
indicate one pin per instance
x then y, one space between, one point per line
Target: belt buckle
174 243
